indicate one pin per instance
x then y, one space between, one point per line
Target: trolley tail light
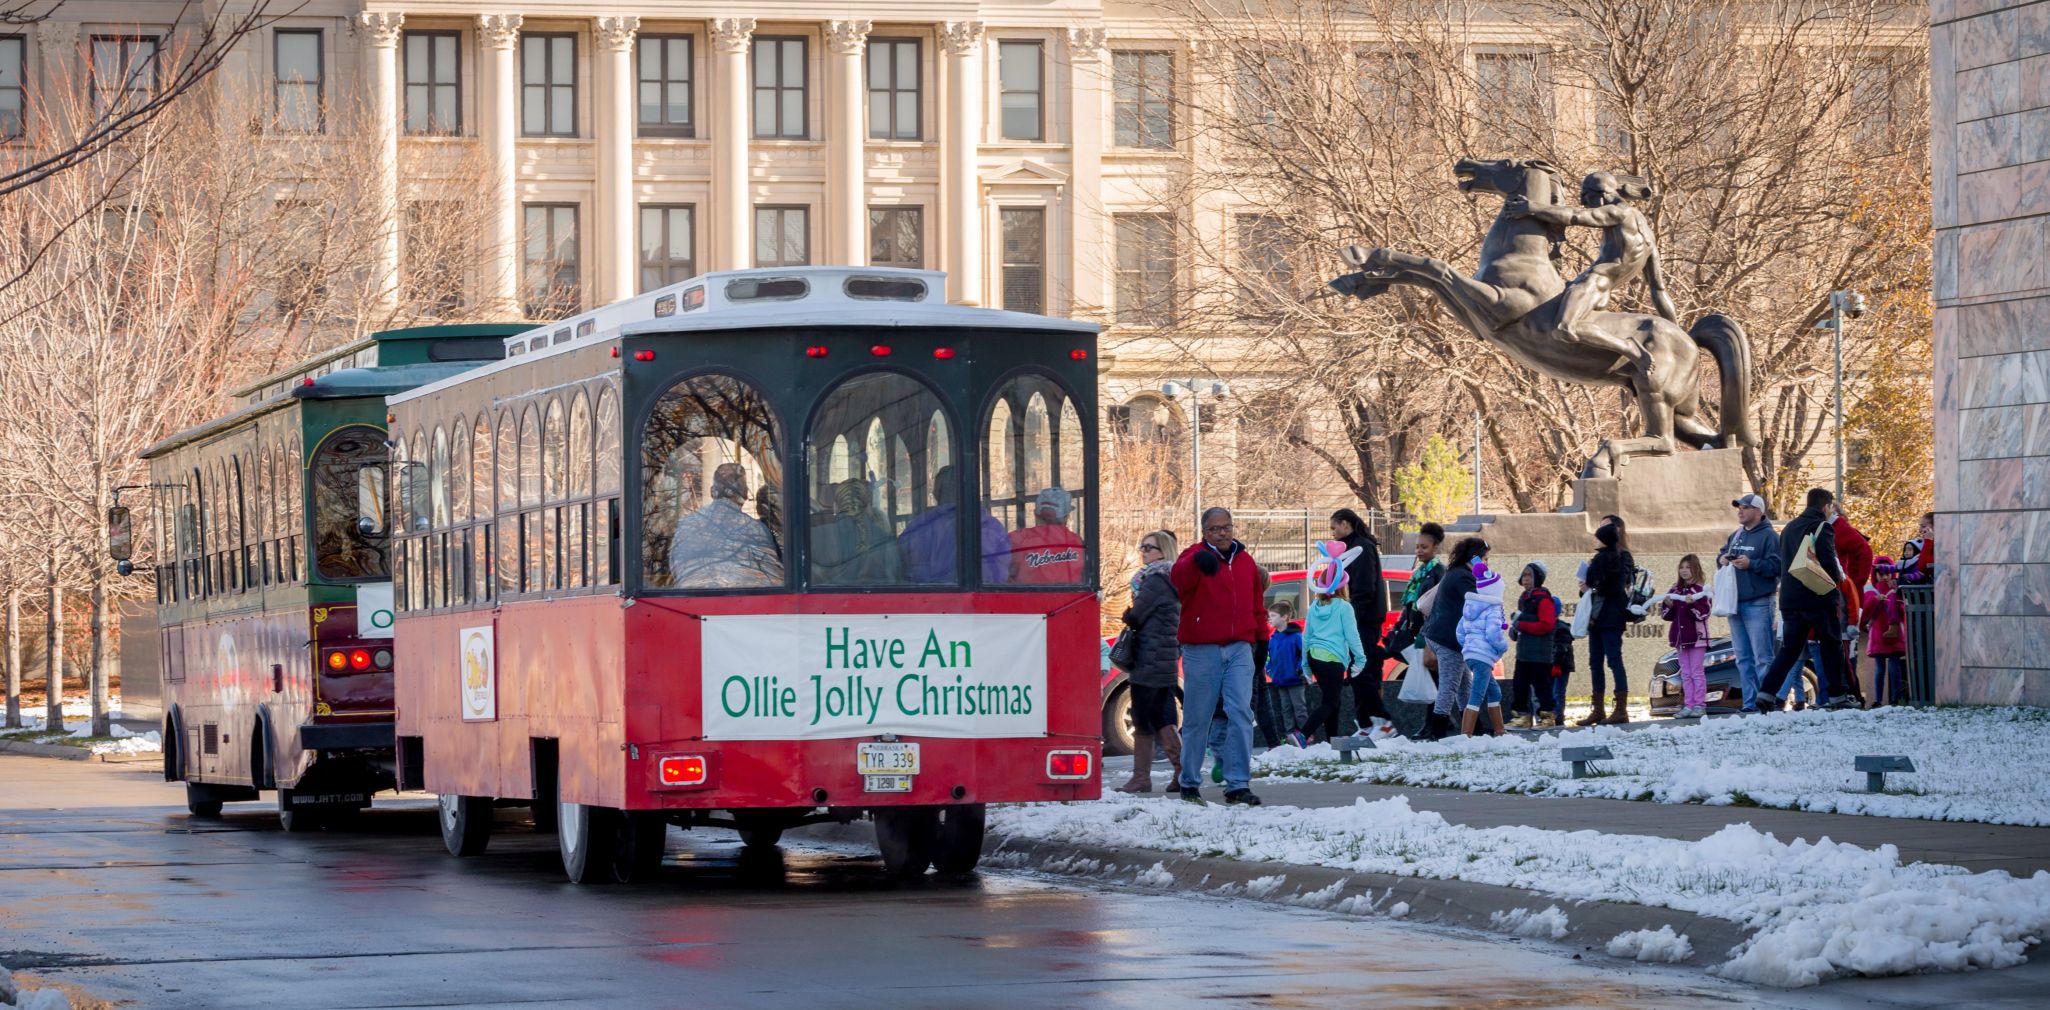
337 660
1068 764
359 659
687 770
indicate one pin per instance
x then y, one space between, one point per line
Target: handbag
1583 614
1726 599
1123 652
1425 602
1418 687
1639 595
1809 570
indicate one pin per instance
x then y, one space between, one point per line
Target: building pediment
1025 172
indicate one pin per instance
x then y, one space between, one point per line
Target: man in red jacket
1853 550
1221 588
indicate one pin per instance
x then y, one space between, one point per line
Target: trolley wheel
465 824
200 801
588 837
297 820
642 837
905 836
1118 731
761 836
959 843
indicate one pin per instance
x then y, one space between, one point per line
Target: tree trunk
53 653
100 653
13 656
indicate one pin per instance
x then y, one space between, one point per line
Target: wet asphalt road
109 890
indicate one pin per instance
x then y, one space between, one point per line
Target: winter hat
1883 565
1537 571
1327 570
1487 582
1055 502
1606 534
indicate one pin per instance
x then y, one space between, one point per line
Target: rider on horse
1627 250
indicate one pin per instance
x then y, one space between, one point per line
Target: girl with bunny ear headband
1327 572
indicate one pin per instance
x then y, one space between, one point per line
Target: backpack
1639 582
1562 647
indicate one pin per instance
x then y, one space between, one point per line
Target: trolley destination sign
787 677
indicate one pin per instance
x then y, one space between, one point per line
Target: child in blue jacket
1285 665
1482 642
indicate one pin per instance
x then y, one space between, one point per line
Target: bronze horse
1513 303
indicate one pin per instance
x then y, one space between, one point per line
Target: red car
1117 700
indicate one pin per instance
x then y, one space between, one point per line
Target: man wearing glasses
1221 589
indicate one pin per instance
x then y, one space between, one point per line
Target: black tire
588 838
174 762
905 836
761 836
465 824
200 801
296 820
642 839
1118 731
958 845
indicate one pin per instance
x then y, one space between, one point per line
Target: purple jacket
1689 616
928 546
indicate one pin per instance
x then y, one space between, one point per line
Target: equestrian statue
1518 302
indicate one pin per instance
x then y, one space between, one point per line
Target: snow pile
1791 760
1158 876
1662 946
125 742
1549 924
1819 909
34 999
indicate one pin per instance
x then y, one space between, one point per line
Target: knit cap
1486 581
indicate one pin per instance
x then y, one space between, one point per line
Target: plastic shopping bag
1417 685
1583 614
1725 589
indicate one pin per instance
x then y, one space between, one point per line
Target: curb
45 750
1457 903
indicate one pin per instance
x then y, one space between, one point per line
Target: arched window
438 480
554 452
419 477
607 454
1040 500
530 457
480 468
580 475
865 535
508 464
458 470
341 551
711 480
576 519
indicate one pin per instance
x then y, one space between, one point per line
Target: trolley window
710 471
1033 447
341 552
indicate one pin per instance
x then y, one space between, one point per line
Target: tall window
549 261
782 236
341 551
123 72
711 476
893 89
1145 270
433 256
779 88
1265 277
1021 79
1143 99
548 84
434 98
1513 85
13 95
298 80
896 236
663 65
668 248
1024 262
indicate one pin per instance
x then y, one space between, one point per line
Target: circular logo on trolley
476 668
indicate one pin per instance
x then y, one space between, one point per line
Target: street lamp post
1194 389
1842 304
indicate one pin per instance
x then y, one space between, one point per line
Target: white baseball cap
1750 501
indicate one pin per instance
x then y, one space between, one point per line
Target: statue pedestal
1674 504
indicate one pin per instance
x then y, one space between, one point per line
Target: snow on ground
1971 764
1661 946
1820 909
78 725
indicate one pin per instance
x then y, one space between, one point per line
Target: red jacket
1853 552
1223 607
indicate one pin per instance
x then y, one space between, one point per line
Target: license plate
887 759
886 783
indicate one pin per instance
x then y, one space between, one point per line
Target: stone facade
1990 109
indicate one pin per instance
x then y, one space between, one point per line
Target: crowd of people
1812 593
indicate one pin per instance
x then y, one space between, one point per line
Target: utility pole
1194 390
1842 304
1476 462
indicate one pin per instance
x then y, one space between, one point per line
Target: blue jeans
1210 672
1605 645
1751 632
1889 680
1798 685
1485 691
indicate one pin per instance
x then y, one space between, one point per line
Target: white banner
374 613
478 667
827 676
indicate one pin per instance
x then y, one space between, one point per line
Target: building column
381 32
498 127
613 127
960 138
846 213
1088 73
732 204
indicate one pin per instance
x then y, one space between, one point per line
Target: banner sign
479 670
374 613
827 676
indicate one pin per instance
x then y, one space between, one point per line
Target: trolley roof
767 298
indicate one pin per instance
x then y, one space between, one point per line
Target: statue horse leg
1476 303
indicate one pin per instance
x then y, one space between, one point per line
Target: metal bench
1875 767
1582 756
1347 744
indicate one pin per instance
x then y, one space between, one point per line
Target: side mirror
370 501
120 534
124 568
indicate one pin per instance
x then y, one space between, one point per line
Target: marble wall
1990 91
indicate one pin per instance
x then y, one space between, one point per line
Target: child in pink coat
1884 620
1686 605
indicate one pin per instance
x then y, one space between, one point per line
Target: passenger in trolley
721 546
928 540
1048 552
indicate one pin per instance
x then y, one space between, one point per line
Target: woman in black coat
1609 574
1155 613
1370 608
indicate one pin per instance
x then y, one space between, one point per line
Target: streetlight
1842 304
1194 390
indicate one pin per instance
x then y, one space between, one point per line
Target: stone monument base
1676 504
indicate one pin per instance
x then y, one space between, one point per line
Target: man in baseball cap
1754 551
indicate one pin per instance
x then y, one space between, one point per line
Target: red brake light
615 352
880 350
943 353
1078 355
359 659
644 355
815 352
337 659
1068 764
682 771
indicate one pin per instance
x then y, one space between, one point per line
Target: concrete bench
1875 767
1580 757
1347 744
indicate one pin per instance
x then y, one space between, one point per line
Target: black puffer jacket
1155 614
1369 594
